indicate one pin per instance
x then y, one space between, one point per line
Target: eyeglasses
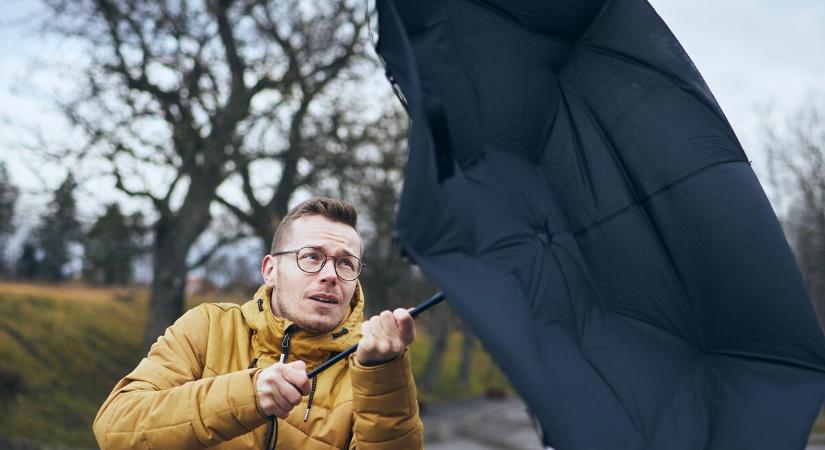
312 260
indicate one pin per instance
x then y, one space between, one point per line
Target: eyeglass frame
361 263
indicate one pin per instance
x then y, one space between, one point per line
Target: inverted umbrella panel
578 194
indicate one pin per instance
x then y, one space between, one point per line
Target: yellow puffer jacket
196 388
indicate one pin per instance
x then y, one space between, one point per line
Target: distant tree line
106 250
796 165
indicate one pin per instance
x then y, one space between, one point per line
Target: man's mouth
324 298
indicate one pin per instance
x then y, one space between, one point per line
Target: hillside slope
62 348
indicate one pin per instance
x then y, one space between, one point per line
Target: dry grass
73 292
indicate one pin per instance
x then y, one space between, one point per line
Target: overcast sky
752 53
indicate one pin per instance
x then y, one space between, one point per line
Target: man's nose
327 272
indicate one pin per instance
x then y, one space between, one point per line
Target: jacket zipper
271 439
335 336
285 348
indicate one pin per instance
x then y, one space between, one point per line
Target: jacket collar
268 331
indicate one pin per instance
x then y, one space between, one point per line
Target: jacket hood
268 331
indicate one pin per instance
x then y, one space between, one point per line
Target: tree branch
233 59
222 242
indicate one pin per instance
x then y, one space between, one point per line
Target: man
220 375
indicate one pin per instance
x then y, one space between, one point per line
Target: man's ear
269 270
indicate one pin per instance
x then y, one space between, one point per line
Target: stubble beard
291 310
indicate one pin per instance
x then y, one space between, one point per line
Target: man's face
316 302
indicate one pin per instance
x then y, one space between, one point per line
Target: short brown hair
334 209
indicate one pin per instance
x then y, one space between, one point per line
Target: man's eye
346 262
311 256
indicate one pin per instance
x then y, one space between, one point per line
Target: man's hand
280 387
385 336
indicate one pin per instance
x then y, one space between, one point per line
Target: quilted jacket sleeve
385 406
164 403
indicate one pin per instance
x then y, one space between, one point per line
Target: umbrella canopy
576 191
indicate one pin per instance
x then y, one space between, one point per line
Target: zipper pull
260 304
285 341
339 333
252 364
285 344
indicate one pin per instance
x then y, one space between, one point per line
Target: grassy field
62 348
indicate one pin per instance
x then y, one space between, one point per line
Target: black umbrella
577 193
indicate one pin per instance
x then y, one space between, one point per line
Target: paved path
481 424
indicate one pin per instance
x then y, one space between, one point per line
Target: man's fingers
406 325
281 387
272 401
297 376
389 325
377 328
282 405
403 315
289 391
395 340
385 332
371 333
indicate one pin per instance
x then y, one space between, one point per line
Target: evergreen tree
8 200
28 266
110 248
58 229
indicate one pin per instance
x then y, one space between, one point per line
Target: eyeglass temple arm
423 306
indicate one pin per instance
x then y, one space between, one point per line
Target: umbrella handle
423 306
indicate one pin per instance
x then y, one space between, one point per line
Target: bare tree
797 171
373 183
176 97
311 143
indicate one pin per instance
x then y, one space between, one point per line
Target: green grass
485 377
61 351
63 348
819 424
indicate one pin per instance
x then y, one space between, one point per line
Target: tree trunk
174 236
167 296
432 369
467 350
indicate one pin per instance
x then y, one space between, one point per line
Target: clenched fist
385 336
280 387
